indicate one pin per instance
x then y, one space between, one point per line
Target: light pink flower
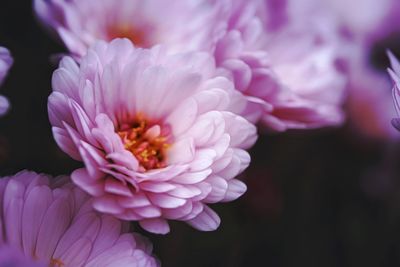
369 107
153 131
394 73
287 86
53 223
5 63
80 23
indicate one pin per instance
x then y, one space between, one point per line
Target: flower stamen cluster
146 142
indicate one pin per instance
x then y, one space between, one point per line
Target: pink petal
36 204
236 188
55 222
107 204
139 200
148 212
113 186
207 220
192 177
182 151
82 179
219 187
166 201
157 226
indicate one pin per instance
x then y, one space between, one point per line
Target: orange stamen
149 150
56 263
137 36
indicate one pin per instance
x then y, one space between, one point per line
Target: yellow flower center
146 142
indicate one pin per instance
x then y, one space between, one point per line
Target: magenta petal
55 222
78 253
37 202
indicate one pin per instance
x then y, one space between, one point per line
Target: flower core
56 263
137 36
147 141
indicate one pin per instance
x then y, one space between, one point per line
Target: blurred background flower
51 222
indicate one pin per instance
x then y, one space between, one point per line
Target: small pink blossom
52 223
154 132
5 63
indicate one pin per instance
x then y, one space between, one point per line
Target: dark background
319 198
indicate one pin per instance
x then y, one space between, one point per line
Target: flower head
80 23
5 63
52 223
361 34
154 132
287 86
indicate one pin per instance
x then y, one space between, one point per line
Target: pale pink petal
207 220
157 226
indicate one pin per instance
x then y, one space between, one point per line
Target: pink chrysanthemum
287 85
394 73
5 63
52 223
368 104
153 131
80 23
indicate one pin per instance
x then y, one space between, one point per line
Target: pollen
56 263
136 35
146 142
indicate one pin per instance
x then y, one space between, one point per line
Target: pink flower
53 223
79 23
154 132
369 107
5 63
394 73
287 86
